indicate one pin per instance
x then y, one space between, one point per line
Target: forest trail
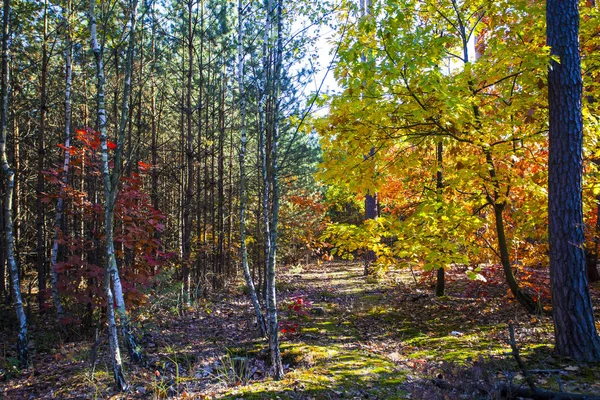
344 336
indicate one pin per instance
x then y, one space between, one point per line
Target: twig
94 353
517 356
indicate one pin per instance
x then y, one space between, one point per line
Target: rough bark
9 175
574 329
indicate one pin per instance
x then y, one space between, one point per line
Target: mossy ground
370 339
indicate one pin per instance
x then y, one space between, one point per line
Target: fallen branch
511 392
507 391
533 392
519 360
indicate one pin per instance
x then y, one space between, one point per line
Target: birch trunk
243 141
113 340
22 345
113 186
59 203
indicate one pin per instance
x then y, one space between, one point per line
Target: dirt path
344 337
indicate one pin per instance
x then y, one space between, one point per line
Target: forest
337 199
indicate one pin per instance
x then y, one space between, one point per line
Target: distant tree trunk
2 245
41 152
370 198
22 349
189 152
272 323
65 177
154 146
221 184
262 142
572 311
523 298
260 321
370 213
440 286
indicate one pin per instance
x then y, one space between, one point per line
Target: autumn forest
360 199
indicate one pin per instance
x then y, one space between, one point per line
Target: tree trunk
440 286
189 151
523 298
572 311
65 177
260 321
113 339
40 217
22 345
273 327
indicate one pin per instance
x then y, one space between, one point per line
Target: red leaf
143 166
111 145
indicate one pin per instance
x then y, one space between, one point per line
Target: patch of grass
321 369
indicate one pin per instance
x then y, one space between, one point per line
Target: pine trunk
242 155
40 217
273 326
572 311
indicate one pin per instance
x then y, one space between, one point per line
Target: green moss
326 369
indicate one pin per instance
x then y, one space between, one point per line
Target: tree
242 185
574 329
9 174
420 85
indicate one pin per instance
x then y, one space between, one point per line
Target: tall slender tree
9 175
113 339
242 185
273 182
58 219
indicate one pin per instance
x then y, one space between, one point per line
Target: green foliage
451 97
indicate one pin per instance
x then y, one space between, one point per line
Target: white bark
22 345
59 203
115 352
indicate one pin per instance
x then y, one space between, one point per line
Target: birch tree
67 143
9 175
111 190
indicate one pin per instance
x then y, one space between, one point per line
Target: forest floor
344 337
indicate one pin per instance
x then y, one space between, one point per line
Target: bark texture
574 329
9 175
59 203
115 352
